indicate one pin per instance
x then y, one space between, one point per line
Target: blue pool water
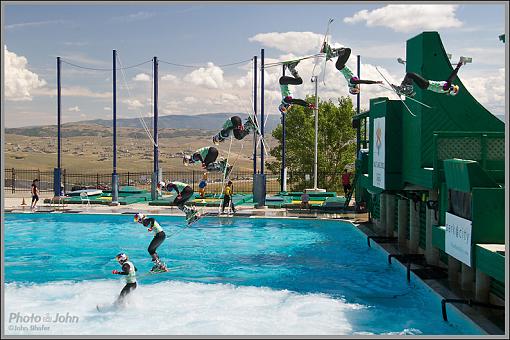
238 276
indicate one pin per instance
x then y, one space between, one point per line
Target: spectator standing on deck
346 182
35 193
227 198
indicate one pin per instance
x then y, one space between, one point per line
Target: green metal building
436 180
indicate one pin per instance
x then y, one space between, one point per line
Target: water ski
106 308
195 217
159 270
168 269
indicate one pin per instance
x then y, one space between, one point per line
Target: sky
206 36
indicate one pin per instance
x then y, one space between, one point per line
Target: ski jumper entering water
343 54
285 81
444 87
235 125
159 236
128 269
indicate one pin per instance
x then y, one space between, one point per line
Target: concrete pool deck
490 322
13 203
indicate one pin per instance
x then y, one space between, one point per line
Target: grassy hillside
88 148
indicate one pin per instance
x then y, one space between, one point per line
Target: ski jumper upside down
234 125
343 54
443 87
285 81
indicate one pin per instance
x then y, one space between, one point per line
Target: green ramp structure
445 164
126 195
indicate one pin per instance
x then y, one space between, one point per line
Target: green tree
336 144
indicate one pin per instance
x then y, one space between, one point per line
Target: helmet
354 90
287 100
453 90
122 257
186 160
139 217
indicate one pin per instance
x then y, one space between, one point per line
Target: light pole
316 134
115 177
315 189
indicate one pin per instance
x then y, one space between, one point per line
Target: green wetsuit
348 75
438 87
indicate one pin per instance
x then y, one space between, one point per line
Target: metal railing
20 180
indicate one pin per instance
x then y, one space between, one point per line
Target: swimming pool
238 276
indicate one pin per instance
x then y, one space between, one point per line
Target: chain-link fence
20 180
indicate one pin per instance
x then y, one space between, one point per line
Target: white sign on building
458 238
379 152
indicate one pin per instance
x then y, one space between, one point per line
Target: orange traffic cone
23 203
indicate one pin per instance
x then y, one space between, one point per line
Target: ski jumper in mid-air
343 54
184 193
159 236
285 81
207 157
235 125
444 87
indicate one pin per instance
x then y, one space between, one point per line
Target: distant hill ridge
210 122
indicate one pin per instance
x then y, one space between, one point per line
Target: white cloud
83 115
290 42
190 100
107 108
170 106
483 56
142 77
73 91
133 104
229 97
246 80
488 89
169 78
210 77
75 43
81 58
408 18
377 50
134 17
74 109
19 81
34 24
226 98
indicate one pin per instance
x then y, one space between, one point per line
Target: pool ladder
468 302
419 259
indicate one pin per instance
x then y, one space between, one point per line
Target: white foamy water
172 307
